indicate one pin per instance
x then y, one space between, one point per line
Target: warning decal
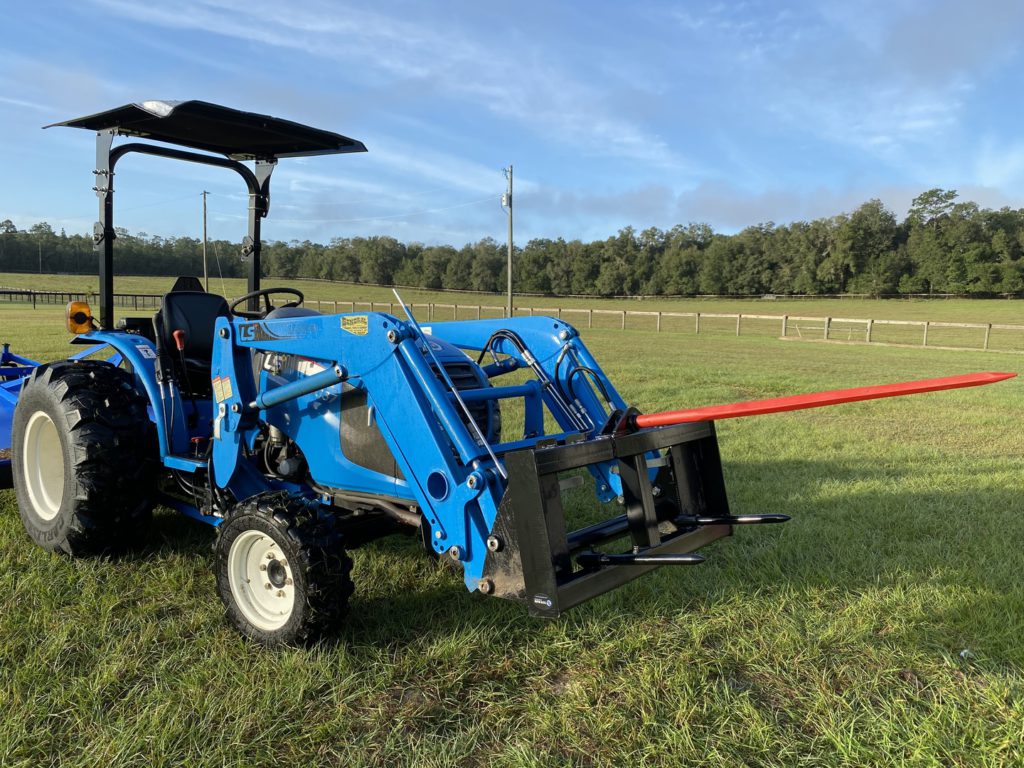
355 324
222 388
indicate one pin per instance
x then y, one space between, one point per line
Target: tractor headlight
79 317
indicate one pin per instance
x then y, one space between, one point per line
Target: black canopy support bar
258 184
198 125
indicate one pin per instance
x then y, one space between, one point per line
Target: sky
612 114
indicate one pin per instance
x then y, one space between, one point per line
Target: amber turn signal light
79 317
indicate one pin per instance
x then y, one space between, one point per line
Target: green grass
948 310
835 639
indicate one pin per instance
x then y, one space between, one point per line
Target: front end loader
299 435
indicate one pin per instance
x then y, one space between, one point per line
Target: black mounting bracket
257 182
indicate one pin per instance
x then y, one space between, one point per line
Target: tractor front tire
282 571
83 458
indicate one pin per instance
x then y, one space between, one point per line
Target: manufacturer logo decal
260 331
358 325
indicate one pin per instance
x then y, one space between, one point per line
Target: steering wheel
265 294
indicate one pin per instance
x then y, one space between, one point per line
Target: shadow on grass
170 533
858 533
856 530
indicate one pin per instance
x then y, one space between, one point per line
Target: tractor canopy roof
213 128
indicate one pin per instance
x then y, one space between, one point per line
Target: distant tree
712 276
460 266
530 270
488 268
378 258
942 246
435 262
928 259
930 206
869 240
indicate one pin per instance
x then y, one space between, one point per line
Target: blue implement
14 369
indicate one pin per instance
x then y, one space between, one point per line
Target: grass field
884 625
946 310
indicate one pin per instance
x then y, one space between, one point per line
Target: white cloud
1001 166
890 78
526 86
26 104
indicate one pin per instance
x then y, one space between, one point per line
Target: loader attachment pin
589 559
732 520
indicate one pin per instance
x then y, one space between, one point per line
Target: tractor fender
140 353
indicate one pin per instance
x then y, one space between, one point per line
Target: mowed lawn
1010 311
883 625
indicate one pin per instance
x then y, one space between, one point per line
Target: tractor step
732 520
640 557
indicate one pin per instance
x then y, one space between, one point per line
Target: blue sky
613 114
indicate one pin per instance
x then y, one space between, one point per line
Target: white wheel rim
261 580
43 465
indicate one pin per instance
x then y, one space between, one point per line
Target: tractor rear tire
282 571
84 458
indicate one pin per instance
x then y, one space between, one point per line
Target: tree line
943 245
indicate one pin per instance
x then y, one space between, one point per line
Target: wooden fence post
828 322
924 341
867 335
623 320
659 323
590 318
785 324
697 323
739 317
988 331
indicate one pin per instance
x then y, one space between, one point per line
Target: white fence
989 337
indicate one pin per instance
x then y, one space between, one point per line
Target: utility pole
206 273
506 202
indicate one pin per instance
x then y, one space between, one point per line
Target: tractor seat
195 313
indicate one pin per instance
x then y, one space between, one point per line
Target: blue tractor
299 435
